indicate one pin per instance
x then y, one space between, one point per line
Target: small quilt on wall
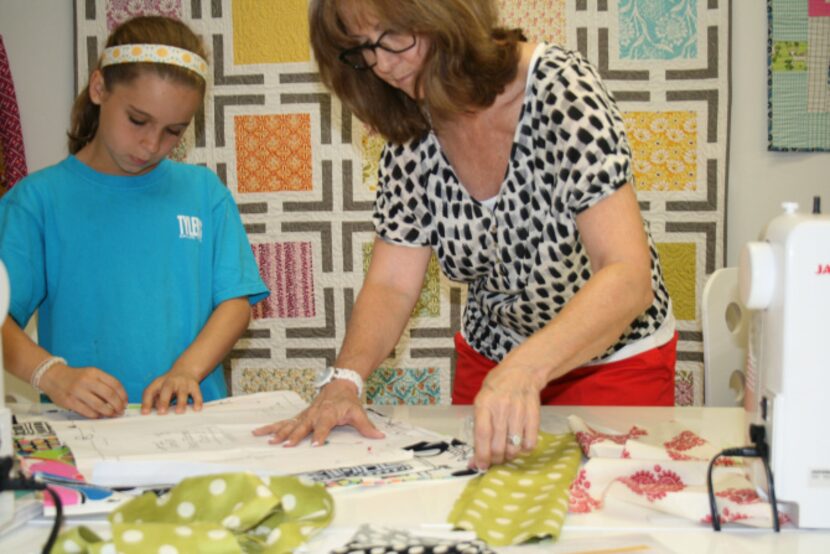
303 171
799 75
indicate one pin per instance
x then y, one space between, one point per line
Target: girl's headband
155 53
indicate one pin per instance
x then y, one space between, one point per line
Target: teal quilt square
658 29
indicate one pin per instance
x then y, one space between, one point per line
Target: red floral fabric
663 467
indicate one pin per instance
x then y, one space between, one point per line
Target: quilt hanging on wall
303 169
799 75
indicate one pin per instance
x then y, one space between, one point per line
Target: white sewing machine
786 280
6 449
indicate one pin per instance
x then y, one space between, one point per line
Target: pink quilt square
287 269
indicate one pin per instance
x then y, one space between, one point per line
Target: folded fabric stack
663 467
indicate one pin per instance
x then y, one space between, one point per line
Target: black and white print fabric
523 260
382 540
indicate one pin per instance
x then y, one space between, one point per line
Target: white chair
725 323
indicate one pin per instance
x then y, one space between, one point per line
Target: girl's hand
180 385
506 416
336 404
86 390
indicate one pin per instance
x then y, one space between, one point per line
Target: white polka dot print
307 530
217 487
315 515
553 523
132 536
273 537
231 522
71 546
186 509
289 502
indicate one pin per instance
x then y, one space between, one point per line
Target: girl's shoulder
194 174
40 182
189 169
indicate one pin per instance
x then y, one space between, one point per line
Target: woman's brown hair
469 63
139 30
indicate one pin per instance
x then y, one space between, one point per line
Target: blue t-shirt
125 271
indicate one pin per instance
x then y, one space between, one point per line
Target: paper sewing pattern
146 450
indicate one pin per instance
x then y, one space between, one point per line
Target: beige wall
759 181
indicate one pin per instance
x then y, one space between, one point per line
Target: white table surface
425 505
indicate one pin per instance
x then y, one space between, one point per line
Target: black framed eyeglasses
364 56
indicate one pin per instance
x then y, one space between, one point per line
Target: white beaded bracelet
42 368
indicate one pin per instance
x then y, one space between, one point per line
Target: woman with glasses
508 160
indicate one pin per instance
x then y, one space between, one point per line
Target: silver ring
515 440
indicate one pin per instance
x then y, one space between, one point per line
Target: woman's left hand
507 415
178 385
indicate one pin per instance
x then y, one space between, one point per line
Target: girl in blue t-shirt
139 267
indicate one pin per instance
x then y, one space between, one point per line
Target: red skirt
646 379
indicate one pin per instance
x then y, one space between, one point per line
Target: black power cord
22 483
757 434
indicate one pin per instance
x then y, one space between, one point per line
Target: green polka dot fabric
227 513
524 499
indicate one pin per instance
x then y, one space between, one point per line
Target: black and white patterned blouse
523 259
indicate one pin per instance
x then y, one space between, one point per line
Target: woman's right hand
336 404
86 390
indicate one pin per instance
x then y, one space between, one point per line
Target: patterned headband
155 53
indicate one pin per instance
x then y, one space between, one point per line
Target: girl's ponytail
83 123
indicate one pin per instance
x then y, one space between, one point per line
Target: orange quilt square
273 152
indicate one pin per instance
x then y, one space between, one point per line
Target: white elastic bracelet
326 375
42 368
350 375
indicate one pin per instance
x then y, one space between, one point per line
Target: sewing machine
786 281
6 449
